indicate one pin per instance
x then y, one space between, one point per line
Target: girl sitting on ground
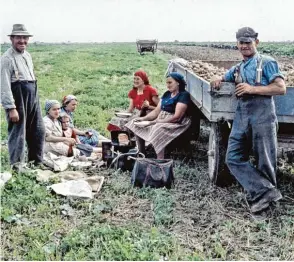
69 132
89 137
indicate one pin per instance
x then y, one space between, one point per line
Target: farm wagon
146 46
218 107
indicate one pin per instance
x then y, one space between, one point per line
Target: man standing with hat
257 80
19 97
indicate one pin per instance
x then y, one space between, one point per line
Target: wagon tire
218 142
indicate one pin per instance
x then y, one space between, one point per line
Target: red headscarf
68 98
143 76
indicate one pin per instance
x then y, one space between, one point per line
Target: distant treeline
272 48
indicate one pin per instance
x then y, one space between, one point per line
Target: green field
193 221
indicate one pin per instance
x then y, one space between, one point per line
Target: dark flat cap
246 34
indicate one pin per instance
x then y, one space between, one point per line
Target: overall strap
259 70
237 74
15 68
31 73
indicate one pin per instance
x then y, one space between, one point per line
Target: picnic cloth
95 182
57 163
74 188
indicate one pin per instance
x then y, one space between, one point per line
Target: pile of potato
288 71
205 70
208 71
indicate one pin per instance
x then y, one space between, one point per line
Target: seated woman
90 137
143 98
55 142
167 121
61 140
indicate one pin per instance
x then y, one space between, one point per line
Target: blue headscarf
49 104
179 78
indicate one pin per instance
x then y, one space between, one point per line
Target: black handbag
154 173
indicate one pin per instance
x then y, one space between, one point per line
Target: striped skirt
160 134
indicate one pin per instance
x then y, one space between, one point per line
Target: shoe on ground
272 195
83 158
21 168
41 166
261 216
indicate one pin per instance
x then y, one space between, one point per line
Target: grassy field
193 221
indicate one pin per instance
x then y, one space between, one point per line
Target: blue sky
166 20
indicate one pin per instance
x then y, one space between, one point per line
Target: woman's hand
138 119
88 134
153 122
145 104
165 120
70 141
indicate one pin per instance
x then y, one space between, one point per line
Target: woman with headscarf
167 121
55 142
60 139
143 98
89 137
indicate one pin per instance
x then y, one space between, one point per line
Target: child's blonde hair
63 115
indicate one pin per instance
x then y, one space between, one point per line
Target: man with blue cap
258 79
19 97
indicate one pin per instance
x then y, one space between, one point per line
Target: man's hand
13 115
216 82
244 88
70 141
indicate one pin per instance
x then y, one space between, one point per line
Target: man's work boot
41 166
273 195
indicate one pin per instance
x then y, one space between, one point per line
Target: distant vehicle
146 46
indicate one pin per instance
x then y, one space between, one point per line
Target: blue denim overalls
254 129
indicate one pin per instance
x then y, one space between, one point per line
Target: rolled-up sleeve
7 99
271 71
229 75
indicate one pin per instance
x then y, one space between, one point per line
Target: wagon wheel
141 52
218 141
